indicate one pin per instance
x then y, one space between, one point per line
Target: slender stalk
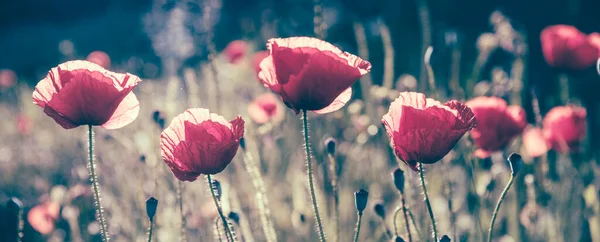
94 180
150 230
182 237
218 230
388 233
500 200
414 223
357 230
336 197
219 209
405 212
396 213
422 176
261 197
310 177
388 51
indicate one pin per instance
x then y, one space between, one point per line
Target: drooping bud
151 205
399 239
379 210
234 216
515 163
14 204
330 144
360 199
445 238
398 177
159 119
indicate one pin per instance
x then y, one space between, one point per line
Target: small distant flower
565 127
534 143
266 108
256 59
83 93
235 51
497 124
8 78
24 124
199 142
311 74
565 46
100 58
424 130
43 217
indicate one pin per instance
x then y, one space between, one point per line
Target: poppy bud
398 176
379 210
151 205
216 186
14 204
360 199
330 144
159 119
234 216
515 163
399 239
445 238
243 143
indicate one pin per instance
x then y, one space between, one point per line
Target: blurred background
167 43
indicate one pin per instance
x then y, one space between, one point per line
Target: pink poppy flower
256 59
266 108
24 124
534 142
497 124
43 217
199 142
565 46
424 130
565 127
100 58
235 51
8 78
311 74
83 93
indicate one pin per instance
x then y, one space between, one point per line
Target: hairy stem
182 236
336 197
433 226
500 200
220 210
150 230
357 230
94 180
310 177
405 212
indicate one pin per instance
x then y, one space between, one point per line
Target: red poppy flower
235 51
83 93
42 217
24 124
534 142
100 58
497 124
199 142
256 59
424 130
8 78
565 46
565 127
311 74
266 108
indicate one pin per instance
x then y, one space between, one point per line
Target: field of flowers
295 139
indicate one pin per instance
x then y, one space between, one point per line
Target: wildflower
43 217
235 51
565 127
497 124
424 130
534 143
83 93
565 46
100 58
199 142
311 74
8 78
266 108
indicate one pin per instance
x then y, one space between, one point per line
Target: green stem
219 209
412 218
405 212
218 230
422 176
336 196
261 197
182 237
94 180
310 177
396 213
500 200
358 222
150 230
